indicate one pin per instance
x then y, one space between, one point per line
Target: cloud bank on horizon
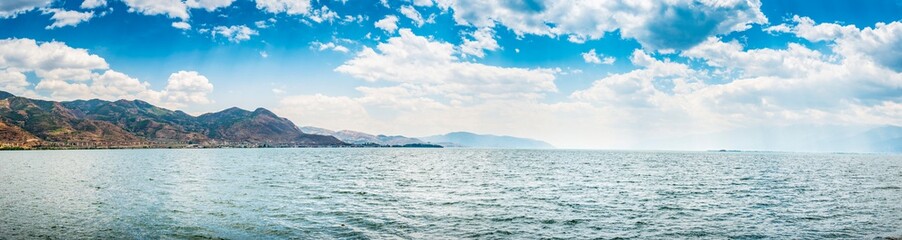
576 73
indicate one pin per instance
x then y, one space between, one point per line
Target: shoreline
20 148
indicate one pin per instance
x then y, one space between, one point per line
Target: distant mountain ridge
99 123
354 137
467 139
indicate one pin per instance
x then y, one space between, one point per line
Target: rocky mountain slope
97 123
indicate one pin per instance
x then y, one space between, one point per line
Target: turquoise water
446 193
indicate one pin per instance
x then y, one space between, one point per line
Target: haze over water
447 193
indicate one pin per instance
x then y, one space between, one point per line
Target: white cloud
423 86
483 39
422 3
209 5
66 73
9 9
748 87
187 87
62 18
234 33
389 23
592 57
181 25
636 88
413 14
805 28
112 85
170 8
796 60
778 29
323 15
431 67
329 46
14 82
261 24
28 55
89 4
290 7
678 24
264 54
881 43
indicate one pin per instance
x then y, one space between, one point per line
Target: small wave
490 233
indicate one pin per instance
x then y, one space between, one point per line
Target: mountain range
354 137
466 139
97 123
454 139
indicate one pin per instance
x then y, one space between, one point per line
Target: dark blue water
446 193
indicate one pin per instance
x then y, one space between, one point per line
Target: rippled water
446 193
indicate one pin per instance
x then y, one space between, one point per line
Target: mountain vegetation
31 123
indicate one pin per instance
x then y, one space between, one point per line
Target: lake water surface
446 193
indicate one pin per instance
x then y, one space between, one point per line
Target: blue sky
582 74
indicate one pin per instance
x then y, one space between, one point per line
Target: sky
604 74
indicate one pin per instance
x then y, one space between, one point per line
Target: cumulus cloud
656 25
389 23
794 61
805 28
422 84
323 14
422 3
774 87
329 46
429 87
89 4
413 14
431 67
290 7
187 87
9 9
62 18
208 5
14 82
181 25
594 58
881 43
483 39
66 73
714 86
170 8
28 55
637 88
234 33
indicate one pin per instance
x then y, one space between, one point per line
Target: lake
446 193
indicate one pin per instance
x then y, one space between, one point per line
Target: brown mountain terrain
97 123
